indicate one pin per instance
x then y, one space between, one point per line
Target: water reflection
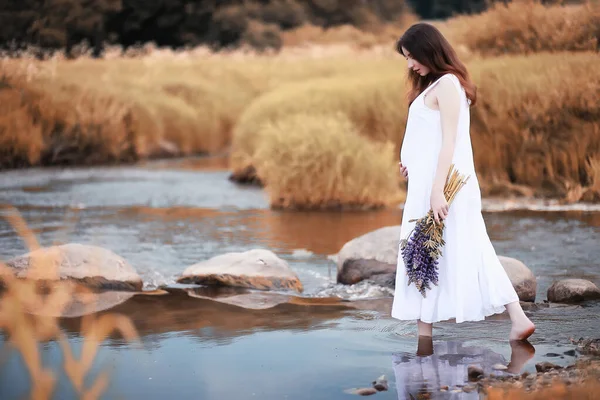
440 370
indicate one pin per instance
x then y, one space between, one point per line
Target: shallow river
165 216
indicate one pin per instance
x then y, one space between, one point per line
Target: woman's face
414 64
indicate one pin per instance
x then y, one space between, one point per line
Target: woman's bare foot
522 327
521 330
521 352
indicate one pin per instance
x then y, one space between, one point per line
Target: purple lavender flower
420 257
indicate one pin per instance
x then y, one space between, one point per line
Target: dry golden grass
89 111
323 162
556 391
527 26
538 122
97 111
534 132
536 127
29 315
372 99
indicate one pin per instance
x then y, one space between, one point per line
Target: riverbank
536 95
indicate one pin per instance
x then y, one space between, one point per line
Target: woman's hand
439 205
403 170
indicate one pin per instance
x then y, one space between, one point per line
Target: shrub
527 26
323 162
375 104
538 122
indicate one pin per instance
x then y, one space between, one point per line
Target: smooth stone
362 391
589 346
521 277
92 266
500 367
381 383
240 297
474 372
368 255
255 269
546 366
468 388
573 291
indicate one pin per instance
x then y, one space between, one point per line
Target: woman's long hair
428 46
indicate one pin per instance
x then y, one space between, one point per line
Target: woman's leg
425 329
522 327
425 346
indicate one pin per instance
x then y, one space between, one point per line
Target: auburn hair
428 46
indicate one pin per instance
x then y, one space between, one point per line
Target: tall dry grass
538 123
90 111
528 26
29 316
100 111
323 162
534 131
373 99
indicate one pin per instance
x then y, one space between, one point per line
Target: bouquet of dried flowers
422 249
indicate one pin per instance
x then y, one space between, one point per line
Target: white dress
472 283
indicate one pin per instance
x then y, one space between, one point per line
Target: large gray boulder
373 256
255 269
573 291
91 266
521 277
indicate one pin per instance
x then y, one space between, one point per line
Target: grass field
536 130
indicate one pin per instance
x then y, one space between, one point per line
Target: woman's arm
448 99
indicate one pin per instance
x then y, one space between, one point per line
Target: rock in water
256 269
546 366
521 278
361 391
475 373
374 253
573 291
381 384
91 266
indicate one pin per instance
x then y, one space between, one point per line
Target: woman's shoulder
451 77
449 84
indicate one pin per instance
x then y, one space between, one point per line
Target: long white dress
472 283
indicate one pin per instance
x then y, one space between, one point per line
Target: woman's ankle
424 329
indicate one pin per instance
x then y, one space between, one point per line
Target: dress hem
487 313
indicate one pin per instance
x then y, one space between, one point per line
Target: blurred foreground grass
30 310
536 131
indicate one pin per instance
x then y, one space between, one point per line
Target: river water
165 216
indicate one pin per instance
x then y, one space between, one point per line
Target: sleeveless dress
472 283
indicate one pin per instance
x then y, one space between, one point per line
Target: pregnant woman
472 283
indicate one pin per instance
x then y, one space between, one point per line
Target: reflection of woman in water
472 284
446 364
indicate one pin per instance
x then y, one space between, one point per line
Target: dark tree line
61 24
